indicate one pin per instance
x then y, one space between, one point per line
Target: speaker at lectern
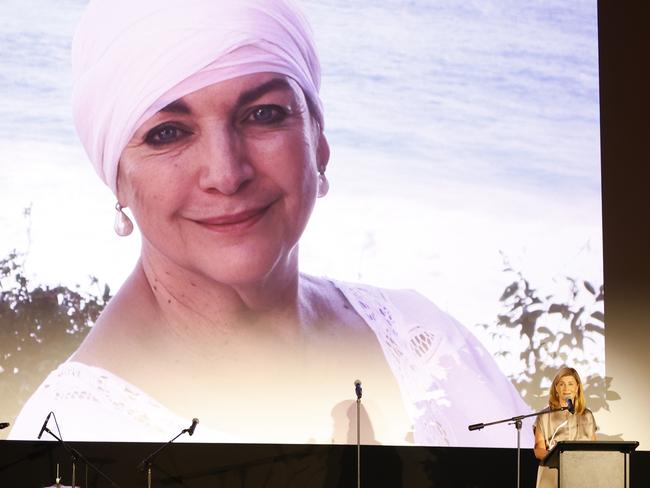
591 464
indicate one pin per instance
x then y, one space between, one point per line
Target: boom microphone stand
516 421
148 461
74 454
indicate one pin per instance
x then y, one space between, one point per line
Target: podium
591 464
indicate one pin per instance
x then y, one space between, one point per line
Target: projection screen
464 166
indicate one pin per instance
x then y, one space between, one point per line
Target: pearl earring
323 184
123 225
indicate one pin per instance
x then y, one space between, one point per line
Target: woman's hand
540 452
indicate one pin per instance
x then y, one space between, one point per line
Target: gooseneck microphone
357 388
47 419
570 406
195 421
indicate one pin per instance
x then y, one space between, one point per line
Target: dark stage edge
33 464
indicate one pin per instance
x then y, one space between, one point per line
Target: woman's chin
247 269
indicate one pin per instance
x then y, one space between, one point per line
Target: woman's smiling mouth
234 222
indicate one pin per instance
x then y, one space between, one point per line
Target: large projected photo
231 211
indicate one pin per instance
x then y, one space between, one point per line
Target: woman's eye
267 114
164 134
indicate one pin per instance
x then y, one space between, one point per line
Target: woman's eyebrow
177 107
255 93
180 107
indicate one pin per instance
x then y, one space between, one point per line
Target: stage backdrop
465 165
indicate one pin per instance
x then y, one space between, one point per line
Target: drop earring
323 183
123 225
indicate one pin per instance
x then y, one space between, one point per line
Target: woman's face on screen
222 181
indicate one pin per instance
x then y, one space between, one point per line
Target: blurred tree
554 332
40 327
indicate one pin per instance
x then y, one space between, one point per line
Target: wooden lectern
591 464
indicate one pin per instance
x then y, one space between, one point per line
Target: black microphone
195 421
4 425
47 419
570 406
357 388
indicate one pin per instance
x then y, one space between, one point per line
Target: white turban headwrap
130 58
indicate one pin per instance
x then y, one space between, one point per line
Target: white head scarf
130 58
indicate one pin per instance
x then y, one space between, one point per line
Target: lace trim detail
410 350
76 382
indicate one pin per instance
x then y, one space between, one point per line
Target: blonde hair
554 399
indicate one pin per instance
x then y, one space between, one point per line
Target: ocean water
460 132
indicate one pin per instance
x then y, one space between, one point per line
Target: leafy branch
553 331
40 326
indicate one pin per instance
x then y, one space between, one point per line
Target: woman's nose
224 164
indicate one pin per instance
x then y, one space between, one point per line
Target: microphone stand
516 421
358 391
358 443
148 461
76 455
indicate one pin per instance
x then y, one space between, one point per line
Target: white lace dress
447 379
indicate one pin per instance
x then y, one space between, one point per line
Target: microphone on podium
570 406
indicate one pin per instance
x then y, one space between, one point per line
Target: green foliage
40 327
553 332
